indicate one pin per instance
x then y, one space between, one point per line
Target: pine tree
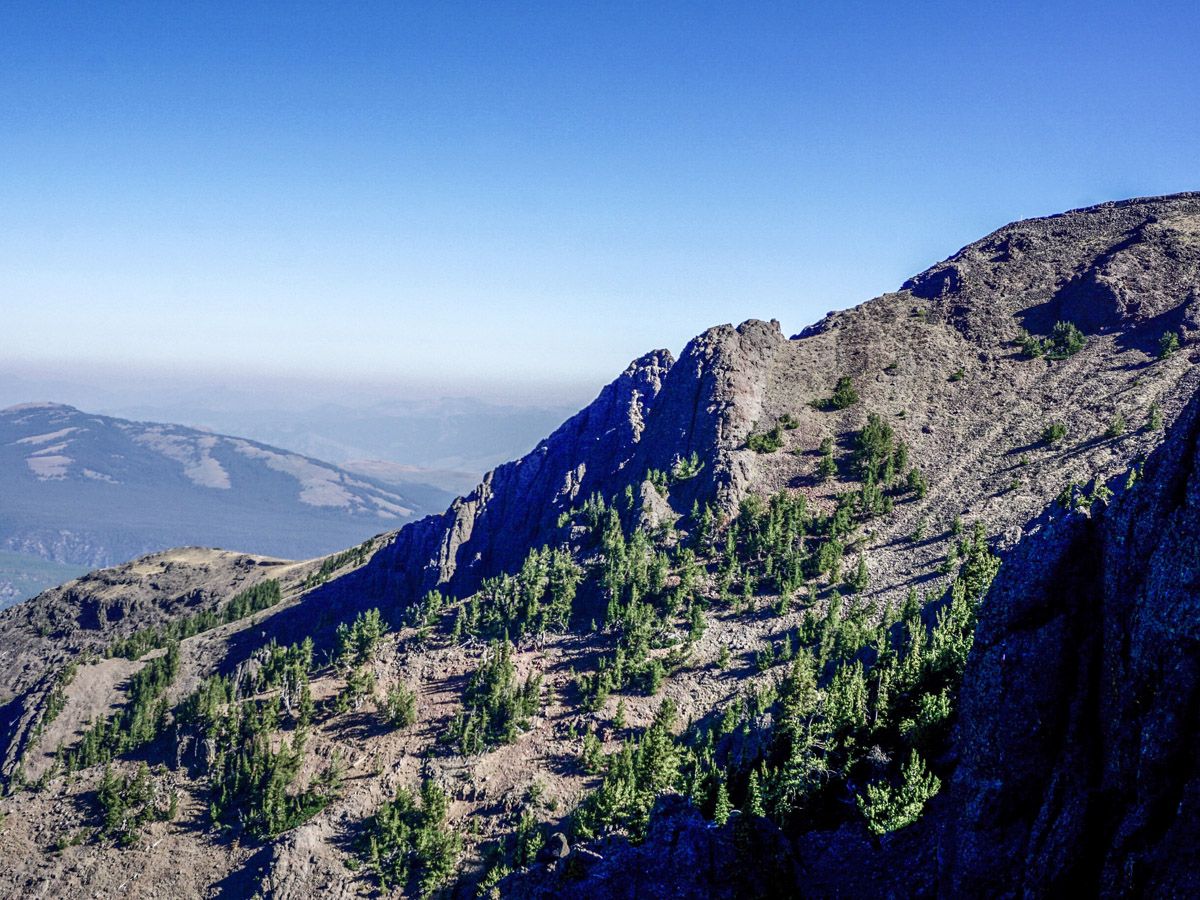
696 623
1154 418
722 808
846 701
723 657
1168 344
861 579
828 465
844 394
754 804
888 808
592 756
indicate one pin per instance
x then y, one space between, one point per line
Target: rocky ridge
1092 767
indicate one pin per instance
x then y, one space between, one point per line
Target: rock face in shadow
684 855
1080 743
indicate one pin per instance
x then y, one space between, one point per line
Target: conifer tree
888 808
754 803
722 808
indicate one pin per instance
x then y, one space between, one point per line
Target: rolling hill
82 491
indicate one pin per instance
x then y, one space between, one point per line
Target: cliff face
1080 733
492 528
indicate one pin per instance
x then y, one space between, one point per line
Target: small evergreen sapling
1168 345
1154 418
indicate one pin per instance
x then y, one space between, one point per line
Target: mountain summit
903 605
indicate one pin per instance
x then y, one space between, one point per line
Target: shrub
1154 419
844 394
127 803
634 776
251 774
888 808
400 707
1116 427
1065 340
409 842
828 466
495 705
1168 344
917 483
685 468
767 442
1031 345
1054 433
357 642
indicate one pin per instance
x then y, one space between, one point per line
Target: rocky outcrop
711 399
657 411
516 506
1080 733
1108 267
684 855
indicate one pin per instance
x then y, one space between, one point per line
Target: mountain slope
937 358
747 579
91 490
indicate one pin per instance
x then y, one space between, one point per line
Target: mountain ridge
851 493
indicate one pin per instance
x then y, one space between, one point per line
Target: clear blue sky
497 191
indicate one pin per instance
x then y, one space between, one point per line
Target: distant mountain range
79 490
444 441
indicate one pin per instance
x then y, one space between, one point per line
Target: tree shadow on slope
317 616
245 880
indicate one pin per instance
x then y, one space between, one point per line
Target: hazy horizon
520 199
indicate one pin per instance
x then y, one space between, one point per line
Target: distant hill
444 441
82 490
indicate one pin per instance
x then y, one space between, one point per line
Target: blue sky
502 193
